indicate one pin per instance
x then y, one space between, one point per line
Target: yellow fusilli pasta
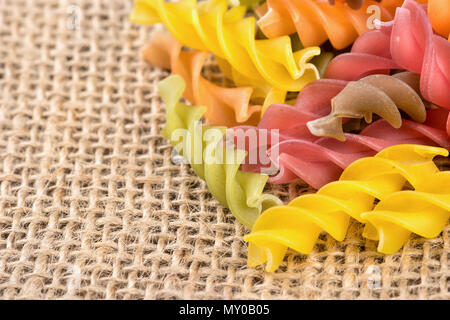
298 224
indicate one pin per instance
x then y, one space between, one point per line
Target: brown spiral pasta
354 4
380 94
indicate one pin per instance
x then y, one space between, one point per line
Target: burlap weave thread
92 207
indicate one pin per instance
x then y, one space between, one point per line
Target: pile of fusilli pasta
372 86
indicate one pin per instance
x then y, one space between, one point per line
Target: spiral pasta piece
407 43
296 153
208 25
316 21
298 224
225 106
217 164
380 94
424 211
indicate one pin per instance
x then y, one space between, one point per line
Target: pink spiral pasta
407 42
296 153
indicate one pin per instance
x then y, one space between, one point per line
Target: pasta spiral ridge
298 224
208 25
225 106
296 153
408 43
218 165
251 4
380 94
424 211
316 21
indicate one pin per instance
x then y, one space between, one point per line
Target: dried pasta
239 191
316 21
320 161
380 94
225 106
408 43
208 25
354 4
298 224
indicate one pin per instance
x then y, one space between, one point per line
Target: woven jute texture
93 207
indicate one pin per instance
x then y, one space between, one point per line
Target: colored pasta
380 94
439 14
296 153
407 43
424 211
225 106
239 191
208 25
384 177
316 21
298 224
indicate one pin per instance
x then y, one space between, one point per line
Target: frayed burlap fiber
93 207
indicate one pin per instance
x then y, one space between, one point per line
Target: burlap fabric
92 207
